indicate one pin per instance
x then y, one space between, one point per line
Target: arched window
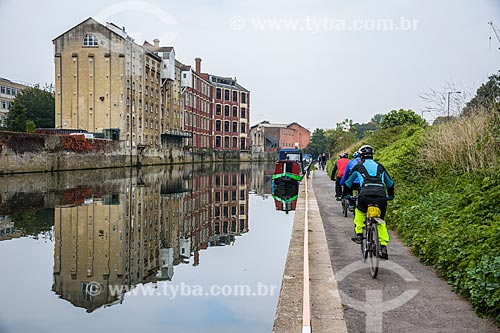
89 40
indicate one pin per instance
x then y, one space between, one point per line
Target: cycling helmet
366 151
344 155
356 154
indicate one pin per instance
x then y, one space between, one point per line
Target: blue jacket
371 187
348 170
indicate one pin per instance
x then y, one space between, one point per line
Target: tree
377 119
318 143
32 104
402 117
487 97
344 135
366 128
436 100
17 117
30 126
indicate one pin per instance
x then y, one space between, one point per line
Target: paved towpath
406 296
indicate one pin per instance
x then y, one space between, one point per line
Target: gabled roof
296 123
266 123
91 20
153 48
148 45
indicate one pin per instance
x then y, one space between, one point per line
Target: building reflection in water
139 228
7 228
261 180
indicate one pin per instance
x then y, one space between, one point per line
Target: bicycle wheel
352 204
364 245
374 248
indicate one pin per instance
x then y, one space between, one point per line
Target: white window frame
90 40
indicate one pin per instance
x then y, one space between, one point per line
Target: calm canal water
172 249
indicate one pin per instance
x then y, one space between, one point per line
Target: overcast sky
316 62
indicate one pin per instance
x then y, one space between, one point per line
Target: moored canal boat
289 167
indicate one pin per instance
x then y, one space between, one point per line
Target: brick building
198 105
300 135
272 137
232 113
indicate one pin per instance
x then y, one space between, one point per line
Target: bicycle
345 205
349 204
370 246
353 200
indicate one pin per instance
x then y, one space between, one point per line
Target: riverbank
26 152
327 314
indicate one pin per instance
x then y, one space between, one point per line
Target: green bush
451 221
402 117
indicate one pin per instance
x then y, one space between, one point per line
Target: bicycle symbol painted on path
373 306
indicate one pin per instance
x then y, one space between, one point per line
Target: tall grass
464 145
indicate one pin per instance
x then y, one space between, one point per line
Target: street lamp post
449 93
422 114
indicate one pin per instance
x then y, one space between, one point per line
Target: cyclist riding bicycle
374 180
347 173
338 172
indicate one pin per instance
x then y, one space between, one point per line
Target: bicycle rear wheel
345 206
374 248
364 245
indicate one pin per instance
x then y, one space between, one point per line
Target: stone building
172 112
106 83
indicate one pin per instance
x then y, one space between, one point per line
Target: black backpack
372 185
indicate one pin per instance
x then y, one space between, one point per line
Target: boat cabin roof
288 151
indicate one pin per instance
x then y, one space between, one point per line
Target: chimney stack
198 65
156 41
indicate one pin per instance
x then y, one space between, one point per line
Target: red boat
289 166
